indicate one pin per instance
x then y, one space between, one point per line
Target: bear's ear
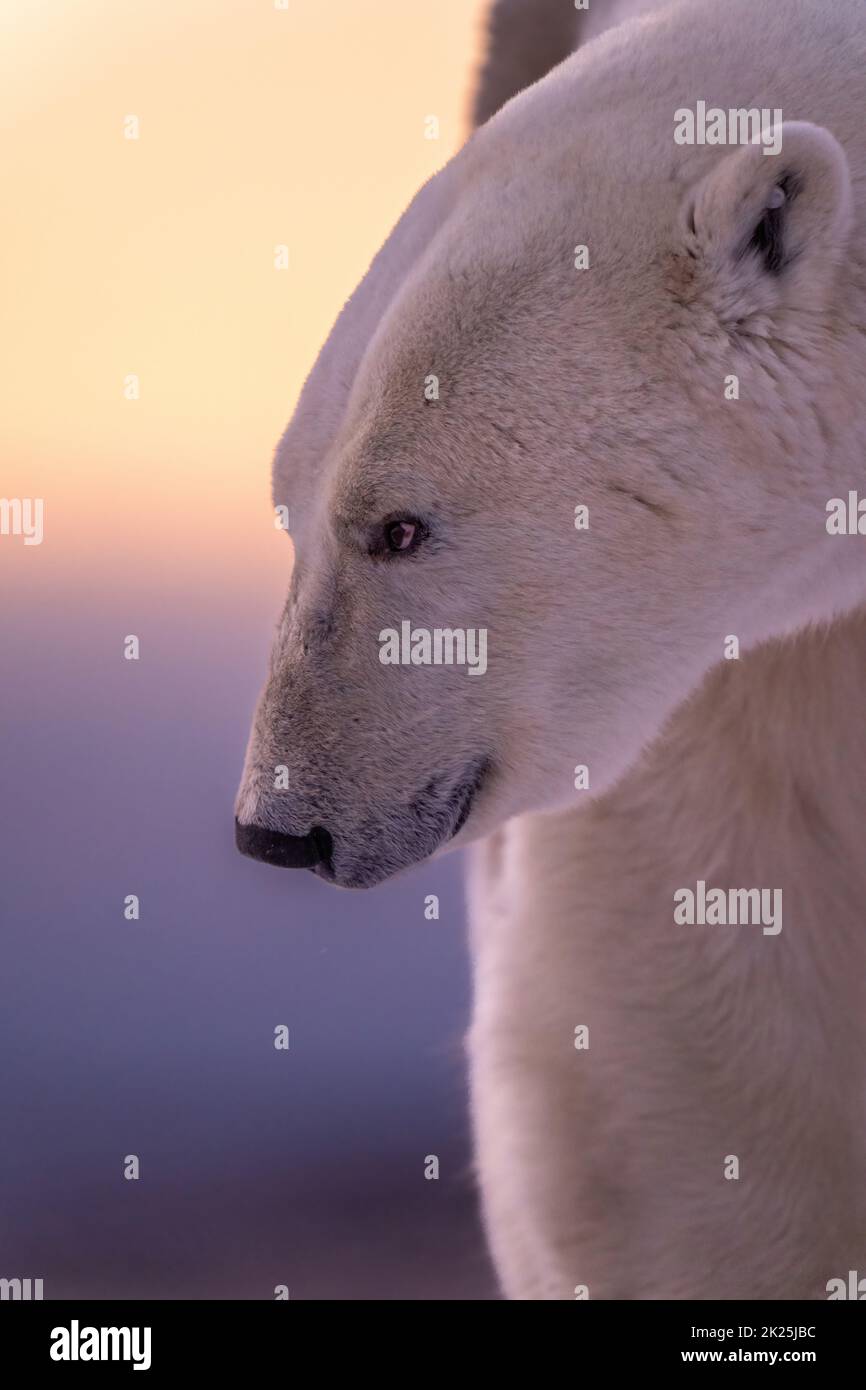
770 230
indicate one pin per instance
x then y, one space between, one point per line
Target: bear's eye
400 535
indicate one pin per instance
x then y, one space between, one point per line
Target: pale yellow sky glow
155 257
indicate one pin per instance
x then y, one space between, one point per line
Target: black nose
287 851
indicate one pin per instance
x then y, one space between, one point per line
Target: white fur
605 1168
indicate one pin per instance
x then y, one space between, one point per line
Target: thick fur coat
661 1109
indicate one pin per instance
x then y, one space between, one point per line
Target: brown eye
400 535
403 535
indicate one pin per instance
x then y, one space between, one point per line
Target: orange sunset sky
259 126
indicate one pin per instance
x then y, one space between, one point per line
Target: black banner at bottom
158 1339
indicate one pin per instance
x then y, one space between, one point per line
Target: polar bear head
575 429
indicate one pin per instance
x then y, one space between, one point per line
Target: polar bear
600 396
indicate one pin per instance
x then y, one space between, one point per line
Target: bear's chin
367 873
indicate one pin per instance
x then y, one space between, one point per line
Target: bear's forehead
469 355
494 304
